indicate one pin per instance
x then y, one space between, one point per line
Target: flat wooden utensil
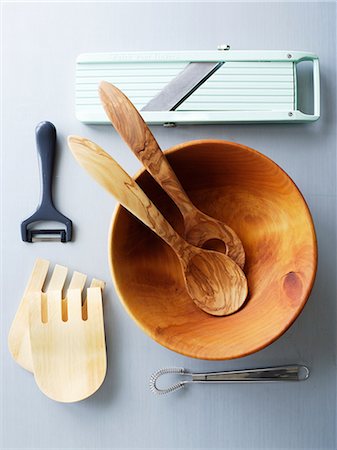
18 338
214 281
67 343
200 229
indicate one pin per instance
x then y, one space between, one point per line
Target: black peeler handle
45 134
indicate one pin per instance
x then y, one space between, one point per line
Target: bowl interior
254 196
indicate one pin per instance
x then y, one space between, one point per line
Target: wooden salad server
214 281
67 340
199 227
18 337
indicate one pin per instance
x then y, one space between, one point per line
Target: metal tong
282 373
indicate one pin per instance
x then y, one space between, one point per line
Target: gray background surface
40 44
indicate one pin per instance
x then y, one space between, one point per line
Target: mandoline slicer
46 145
195 87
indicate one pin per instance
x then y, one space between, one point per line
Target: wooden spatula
18 338
67 343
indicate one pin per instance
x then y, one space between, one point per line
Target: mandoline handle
316 79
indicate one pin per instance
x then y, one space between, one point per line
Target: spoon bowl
215 284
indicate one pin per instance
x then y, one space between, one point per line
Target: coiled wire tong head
282 373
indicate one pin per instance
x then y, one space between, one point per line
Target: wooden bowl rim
118 207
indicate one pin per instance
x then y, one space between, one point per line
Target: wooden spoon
199 227
214 281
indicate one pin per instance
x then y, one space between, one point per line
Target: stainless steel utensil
293 372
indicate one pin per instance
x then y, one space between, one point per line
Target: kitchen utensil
283 373
251 193
67 344
215 283
182 86
249 86
18 338
199 227
46 141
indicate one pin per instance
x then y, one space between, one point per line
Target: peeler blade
45 235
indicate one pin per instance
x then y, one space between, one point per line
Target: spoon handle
107 172
137 135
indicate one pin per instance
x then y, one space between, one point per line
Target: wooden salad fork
67 339
18 338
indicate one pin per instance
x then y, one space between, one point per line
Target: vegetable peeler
45 133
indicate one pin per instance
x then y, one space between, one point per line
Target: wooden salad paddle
18 338
214 281
68 346
199 227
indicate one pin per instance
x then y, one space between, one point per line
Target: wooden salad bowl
255 197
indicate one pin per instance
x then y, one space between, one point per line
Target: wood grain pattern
254 196
213 280
199 228
69 357
18 337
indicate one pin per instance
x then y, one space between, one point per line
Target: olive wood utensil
214 281
68 350
18 338
199 227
